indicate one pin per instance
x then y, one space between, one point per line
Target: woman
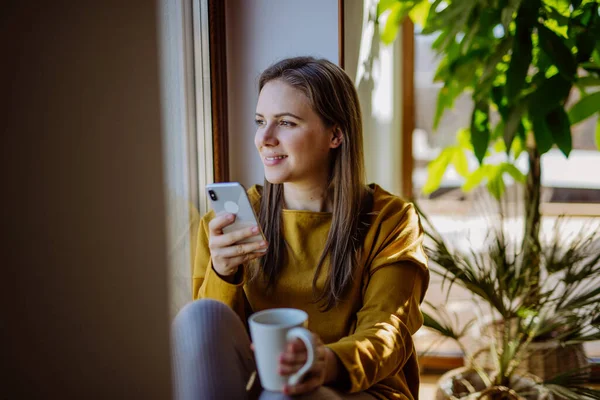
348 254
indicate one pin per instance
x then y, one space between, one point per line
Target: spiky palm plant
566 306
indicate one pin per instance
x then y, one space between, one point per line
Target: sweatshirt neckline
307 213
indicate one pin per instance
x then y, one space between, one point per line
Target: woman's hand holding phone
227 253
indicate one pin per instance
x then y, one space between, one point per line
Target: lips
272 160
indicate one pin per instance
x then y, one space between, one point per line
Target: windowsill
465 208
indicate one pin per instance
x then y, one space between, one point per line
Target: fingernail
255 229
263 243
230 217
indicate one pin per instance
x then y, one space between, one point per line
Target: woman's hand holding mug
225 251
273 331
295 356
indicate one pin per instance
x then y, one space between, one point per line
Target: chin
274 178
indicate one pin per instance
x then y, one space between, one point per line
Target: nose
266 136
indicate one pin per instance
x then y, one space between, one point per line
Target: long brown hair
334 98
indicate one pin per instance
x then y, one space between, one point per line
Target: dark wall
84 276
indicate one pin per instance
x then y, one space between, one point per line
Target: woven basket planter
548 359
455 384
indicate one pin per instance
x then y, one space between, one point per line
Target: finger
243 259
232 238
296 350
216 225
309 385
242 249
296 346
289 369
287 358
321 353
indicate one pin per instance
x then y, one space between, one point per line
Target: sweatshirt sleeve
206 283
395 284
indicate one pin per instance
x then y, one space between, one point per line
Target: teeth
275 158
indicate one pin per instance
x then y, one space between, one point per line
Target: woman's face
292 140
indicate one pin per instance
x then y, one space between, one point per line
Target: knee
201 318
266 395
198 312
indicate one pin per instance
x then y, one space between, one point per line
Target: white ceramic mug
271 330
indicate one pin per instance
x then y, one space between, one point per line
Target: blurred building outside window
572 180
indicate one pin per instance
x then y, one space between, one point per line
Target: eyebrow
282 115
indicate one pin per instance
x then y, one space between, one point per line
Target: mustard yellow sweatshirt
371 329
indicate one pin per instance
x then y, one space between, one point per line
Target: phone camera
212 195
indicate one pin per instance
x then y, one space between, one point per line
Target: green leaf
443 329
588 81
491 64
591 67
495 184
561 6
463 138
465 44
385 5
420 13
585 108
522 54
518 145
558 13
476 177
459 160
549 95
508 12
445 100
585 43
555 47
497 95
436 170
542 134
513 122
498 132
499 146
398 12
514 172
480 129
560 127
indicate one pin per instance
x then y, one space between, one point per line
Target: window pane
571 180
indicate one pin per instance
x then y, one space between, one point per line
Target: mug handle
306 336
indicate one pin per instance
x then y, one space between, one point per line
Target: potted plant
565 311
523 61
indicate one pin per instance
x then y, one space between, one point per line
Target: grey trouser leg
212 358
211 351
322 393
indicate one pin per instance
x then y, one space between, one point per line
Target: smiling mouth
275 158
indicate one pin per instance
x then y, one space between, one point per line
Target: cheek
257 140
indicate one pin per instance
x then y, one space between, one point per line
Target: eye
259 122
287 123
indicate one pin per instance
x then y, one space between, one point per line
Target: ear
337 137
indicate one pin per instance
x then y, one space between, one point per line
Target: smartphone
231 197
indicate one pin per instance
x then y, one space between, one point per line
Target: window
570 186
187 126
565 181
